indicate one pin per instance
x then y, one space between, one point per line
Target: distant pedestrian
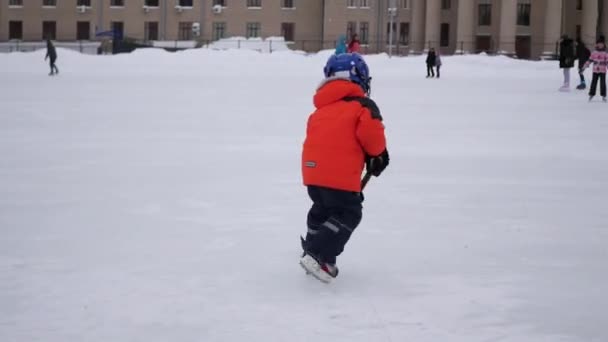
582 54
354 45
431 59
566 60
438 63
51 54
599 59
341 45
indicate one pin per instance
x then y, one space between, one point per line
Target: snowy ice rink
157 197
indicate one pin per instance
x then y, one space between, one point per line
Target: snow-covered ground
157 197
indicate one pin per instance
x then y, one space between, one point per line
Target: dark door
483 44
523 47
83 30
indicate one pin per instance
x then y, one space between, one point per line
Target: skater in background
51 54
582 54
431 59
343 135
341 45
566 60
438 63
354 45
599 59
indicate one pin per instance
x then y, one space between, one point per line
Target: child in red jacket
343 135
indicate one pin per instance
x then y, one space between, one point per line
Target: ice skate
590 98
581 86
312 266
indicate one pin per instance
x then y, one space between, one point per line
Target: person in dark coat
431 59
567 55
51 54
582 54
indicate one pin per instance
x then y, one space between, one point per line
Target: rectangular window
49 3
15 30
579 5
351 28
578 31
184 30
117 3
404 34
219 30
49 30
523 13
388 35
119 29
254 3
151 30
185 3
484 14
287 4
151 3
405 4
364 32
446 4
351 3
83 30
219 2
15 3
253 30
85 3
364 4
445 35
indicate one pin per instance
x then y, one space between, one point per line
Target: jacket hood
334 89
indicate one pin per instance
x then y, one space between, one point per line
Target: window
444 40
351 28
288 31
446 4
86 3
388 34
365 3
578 31
364 33
287 4
151 3
49 30
253 30
49 3
579 5
151 30
15 30
405 4
185 3
219 30
117 3
523 13
351 3
404 34
219 2
484 14
15 3
254 3
184 30
119 29
83 30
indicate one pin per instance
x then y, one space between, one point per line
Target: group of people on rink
570 51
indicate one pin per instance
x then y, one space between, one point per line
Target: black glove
375 165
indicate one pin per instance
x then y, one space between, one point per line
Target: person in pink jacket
599 59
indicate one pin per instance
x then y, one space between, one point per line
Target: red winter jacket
339 135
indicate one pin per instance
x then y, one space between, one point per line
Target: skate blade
312 267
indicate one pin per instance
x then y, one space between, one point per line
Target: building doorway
523 47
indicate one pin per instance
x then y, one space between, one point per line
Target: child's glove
375 165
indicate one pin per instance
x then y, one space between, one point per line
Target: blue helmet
350 66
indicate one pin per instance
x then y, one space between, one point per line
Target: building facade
522 28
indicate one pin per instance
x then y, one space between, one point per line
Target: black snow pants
430 71
598 77
53 66
333 217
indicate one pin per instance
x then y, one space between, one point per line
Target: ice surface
157 197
